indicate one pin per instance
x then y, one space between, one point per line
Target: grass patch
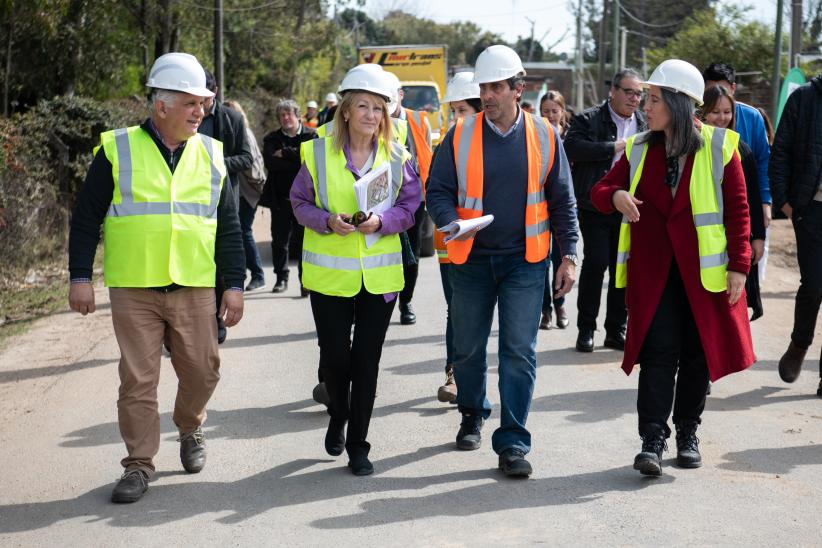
28 296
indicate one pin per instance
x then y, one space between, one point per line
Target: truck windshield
421 98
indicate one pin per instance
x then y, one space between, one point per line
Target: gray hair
516 80
685 138
288 104
165 95
624 73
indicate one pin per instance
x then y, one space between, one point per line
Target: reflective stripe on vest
420 143
161 227
468 157
340 265
707 204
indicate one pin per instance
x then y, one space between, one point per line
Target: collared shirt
511 129
625 128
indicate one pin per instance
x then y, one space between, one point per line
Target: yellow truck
422 70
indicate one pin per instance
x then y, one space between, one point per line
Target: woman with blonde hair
347 270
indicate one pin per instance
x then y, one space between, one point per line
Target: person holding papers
510 164
352 258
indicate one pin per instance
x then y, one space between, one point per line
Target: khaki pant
142 319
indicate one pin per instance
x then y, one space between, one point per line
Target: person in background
769 132
252 181
311 115
594 143
552 107
227 126
719 110
462 96
169 220
795 167
281 152
325 114
346 277
683 255
527 106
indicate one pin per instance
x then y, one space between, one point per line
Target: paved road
269 482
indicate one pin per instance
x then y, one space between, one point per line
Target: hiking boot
545 322
192 450
407 316
687 446
447 393
562 317
585 340
513 464
791 362
360 465
281 286
615 340
469 437
255 284
335 437
131 487
649 460
320 394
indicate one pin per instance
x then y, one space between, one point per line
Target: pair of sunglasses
358 218
672 176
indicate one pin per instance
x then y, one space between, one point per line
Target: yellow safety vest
339 265
161 227
707 204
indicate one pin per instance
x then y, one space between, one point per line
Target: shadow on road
777 460
38 372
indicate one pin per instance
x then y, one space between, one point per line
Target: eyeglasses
632 93
672 177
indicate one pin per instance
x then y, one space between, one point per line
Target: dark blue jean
252 255
517 286
449 328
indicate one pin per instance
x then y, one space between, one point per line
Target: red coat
666 229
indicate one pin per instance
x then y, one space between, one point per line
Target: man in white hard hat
510 164
160 192
311 112
330 102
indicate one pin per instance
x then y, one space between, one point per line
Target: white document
460 227
375 195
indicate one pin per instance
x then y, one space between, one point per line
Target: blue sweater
505 185
751 129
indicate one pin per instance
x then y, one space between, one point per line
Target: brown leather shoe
562 317
447 393
545 322
791 363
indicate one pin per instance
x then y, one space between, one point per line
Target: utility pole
580 68
796 32
777 62
615 38
623 46
601 48
218 47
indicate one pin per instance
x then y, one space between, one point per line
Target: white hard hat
497 63
679 76
311 104
179 72
366 77
395 84
331 97
461 87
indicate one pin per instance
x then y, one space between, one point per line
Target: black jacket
748 160
227 125
282 169
796 155
95 198
589 146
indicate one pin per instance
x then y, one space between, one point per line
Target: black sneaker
192 450
649 460
255 284
469 437
687 446
131 487
513 464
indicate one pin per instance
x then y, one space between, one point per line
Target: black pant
283 224
600 236
410 270
807 225
672 344
350 369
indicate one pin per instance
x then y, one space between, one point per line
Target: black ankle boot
687 446
649 460
335 437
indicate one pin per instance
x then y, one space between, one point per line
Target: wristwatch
572 258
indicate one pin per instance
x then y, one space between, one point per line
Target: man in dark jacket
281 153
595 141
794 171
226 125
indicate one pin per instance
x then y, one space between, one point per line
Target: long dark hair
685 138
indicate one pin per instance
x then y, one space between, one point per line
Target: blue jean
449 329
252 254
477 286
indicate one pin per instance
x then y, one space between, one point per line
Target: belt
166 289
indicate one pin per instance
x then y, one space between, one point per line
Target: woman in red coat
682 333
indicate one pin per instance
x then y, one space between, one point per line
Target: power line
641 22
277 3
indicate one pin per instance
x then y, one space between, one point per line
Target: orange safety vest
539 143
421 135
441 247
